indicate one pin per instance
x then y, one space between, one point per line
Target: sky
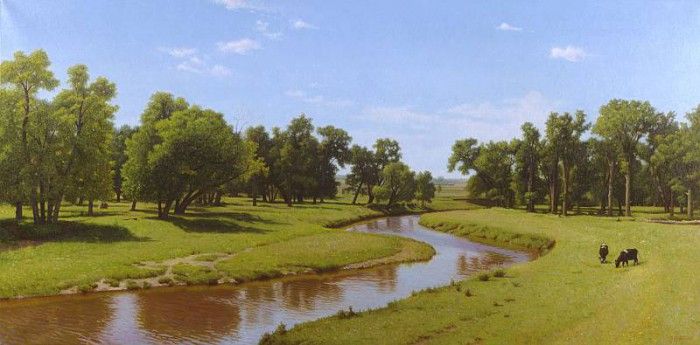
423 72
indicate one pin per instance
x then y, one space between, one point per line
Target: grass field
121 249
564 297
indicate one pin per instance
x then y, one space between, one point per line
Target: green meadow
118 248
564 297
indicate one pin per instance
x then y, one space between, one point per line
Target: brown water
241 314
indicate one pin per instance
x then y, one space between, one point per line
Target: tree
425 188
136 170
527 160
624 123
333 153
199 153
398 185
363 170
386 151
493 166
564 133
121 135
86 112
29 74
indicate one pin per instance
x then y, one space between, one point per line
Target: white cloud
241 47
300 25
220 71
317 99
180 52
233 4
569 53
264 28
507 27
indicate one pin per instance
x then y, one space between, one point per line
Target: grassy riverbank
119 248
564 297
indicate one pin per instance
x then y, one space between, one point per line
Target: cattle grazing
626 255
603 252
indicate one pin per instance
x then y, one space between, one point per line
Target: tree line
66 149
632 155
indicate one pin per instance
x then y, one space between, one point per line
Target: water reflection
241 314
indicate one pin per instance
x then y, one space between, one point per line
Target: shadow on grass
67 232
213 225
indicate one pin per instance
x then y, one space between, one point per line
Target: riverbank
120 249
564 297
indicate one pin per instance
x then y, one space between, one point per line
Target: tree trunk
611 176
119 196
565 192
530 182
133 205
357 192
690 204
91 206
673 206
18 212
628 187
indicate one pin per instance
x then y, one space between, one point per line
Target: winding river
240 314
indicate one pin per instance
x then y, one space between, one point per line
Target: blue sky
423 72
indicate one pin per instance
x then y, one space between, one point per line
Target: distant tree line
66 149
634 155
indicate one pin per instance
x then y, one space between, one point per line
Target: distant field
564 297
119 247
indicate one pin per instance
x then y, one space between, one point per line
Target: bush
499 273
484 277
468 293
166 281
112 282
342 314
132 285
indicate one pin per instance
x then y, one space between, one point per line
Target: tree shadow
212 225
65 231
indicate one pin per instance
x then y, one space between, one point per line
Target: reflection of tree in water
385 276
195 314
467 265
65 320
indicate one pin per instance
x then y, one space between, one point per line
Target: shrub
484 277
342 314
146 285
132 285
499 273
468 293
166 281
112 282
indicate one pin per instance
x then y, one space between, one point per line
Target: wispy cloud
317 99
264 28
569 53
241 47
301 25
507 27
485 120
188 60
179 52
234 4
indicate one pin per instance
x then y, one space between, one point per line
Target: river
240 314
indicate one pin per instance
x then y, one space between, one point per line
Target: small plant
509 299
515 284
496 304
132 285
499 273
484 277
85 288
342 314
112 282
146 285
469 293
166 281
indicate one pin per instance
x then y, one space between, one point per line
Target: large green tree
527 160
28 74
624 123
399 184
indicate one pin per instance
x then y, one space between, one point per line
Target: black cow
603 252
626 255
